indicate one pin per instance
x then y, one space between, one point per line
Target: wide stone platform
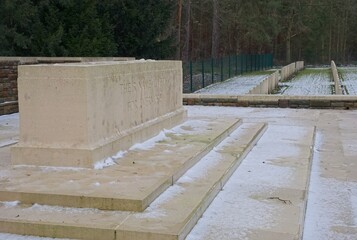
145 171
266 196
132 183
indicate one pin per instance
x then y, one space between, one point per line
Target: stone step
267 194
138 177
171 216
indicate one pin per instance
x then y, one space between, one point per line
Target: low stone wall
336 79
8 87
273 101
80 113
9 108
267 85
299 65
8 75
289 70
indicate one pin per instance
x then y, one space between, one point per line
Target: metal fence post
212 70
191 84
203 74
221 69
259 61
229 66
242 63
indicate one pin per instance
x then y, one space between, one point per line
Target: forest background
312 30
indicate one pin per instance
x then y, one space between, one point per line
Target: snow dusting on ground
7 125
244 203
349 78
332 204
308 82
235 86
241 207
5 236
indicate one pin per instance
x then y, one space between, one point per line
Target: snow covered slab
349 77
177 210
332 206
9 130
308 82
129 180
237 85
171 216
266 197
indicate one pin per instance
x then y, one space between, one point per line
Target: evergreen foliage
85 28
312 30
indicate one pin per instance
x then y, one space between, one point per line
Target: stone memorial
78 114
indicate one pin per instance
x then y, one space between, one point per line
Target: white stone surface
81 113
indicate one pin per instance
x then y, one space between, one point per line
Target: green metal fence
202 73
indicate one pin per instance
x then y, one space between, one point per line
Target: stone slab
77 114
267 193
162 220
137 178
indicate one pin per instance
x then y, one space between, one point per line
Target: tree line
312 30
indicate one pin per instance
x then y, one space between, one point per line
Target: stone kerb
267 85
289 70
336 79
299 66
78 114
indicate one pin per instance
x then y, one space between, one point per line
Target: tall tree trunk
178 29
186 45
215 30
288 44
330 35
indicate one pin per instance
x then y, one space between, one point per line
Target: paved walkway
268 193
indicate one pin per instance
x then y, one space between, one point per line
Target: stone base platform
88 156
136 178
171 216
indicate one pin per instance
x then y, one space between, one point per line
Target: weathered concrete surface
132 183
287 71
275 101
332 206
80 113
299 65
171 216
336 79
268 192
267 85
281 177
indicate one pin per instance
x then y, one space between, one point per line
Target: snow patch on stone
10 204
149 144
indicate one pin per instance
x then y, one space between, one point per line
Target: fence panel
202 73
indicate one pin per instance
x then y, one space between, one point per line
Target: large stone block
80 113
